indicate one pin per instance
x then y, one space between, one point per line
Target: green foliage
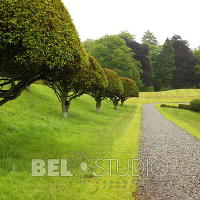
180 106
130 89
96 78
147 89
126 34
195 105
168 106
40 32
196 54
149 39
165 66
184 106
153 58
115 87
99 82
38 41
111 52
89 80
184 62
141 54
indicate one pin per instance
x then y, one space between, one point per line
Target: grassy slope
31 127
188 120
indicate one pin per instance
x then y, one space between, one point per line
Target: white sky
96 18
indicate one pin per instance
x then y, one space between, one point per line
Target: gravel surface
171 159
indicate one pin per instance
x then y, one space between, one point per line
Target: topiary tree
115 88
88 80
130 89
99 82
38 41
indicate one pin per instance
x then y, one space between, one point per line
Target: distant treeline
172 65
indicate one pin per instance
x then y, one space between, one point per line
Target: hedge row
193 106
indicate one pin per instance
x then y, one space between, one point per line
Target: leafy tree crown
130 88
115 87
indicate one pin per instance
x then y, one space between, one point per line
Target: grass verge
186 119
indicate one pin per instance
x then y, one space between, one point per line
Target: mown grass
171 96
186 119
32 128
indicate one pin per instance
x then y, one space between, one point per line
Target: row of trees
172 65
38 41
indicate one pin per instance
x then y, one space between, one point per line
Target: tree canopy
149 39
111 52
196 54
115 88
89 80
130 89
184 62
37 38
165 66
141 54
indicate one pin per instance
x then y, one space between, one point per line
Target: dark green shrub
184 106
163 105
168 106
195 105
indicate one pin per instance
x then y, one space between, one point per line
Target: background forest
172 65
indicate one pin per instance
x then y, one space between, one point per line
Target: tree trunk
122 102
98 106
115 104
28 88
65 108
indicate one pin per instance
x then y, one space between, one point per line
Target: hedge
195 105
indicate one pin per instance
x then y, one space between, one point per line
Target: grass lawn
171 96
188 120
31 128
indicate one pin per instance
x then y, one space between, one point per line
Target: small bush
184 106
163 105
168 106
195 105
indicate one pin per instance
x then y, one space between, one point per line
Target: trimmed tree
115 88
99 82
86 81
130 89
37 41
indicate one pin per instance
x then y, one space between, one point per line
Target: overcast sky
96 18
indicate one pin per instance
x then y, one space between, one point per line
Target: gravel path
171 159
